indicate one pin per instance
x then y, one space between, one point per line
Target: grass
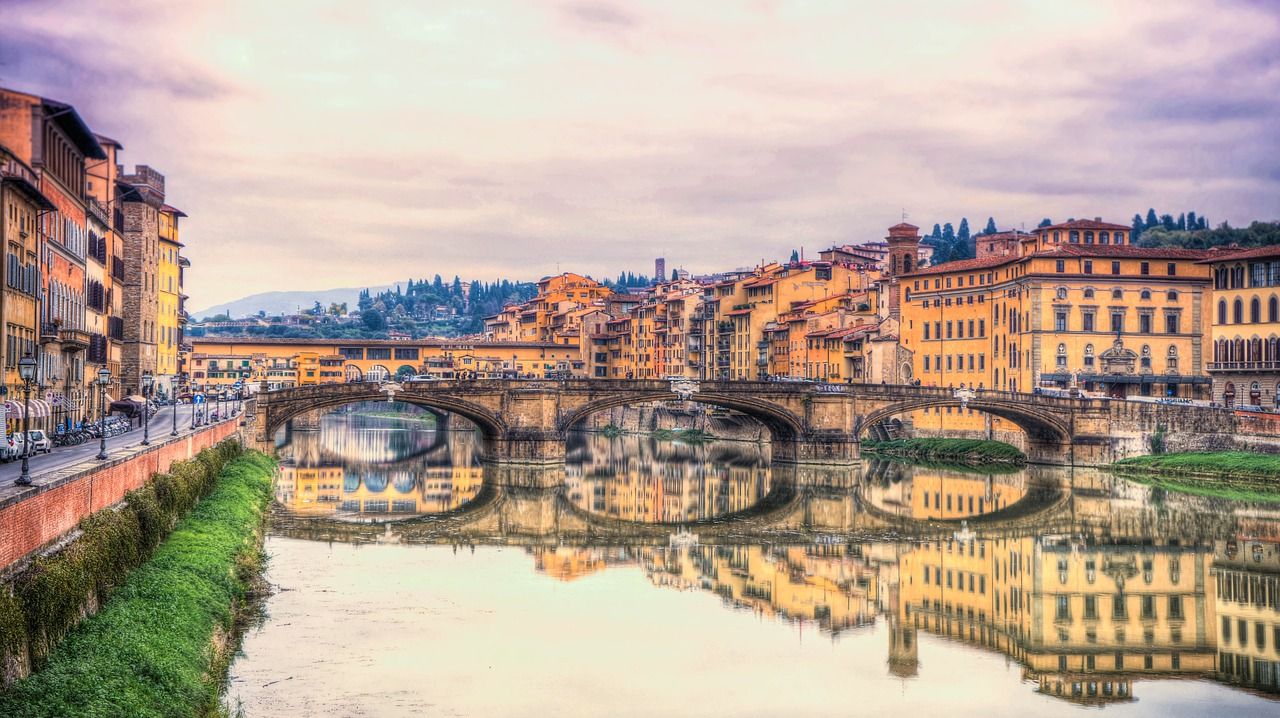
964 451
1239 475
150 651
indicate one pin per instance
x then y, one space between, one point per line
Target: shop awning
39 408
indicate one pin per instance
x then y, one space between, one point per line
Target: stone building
143 200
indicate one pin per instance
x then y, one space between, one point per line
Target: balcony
49 333
1244 365
74 340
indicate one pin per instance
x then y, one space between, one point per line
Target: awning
1145 378
39 408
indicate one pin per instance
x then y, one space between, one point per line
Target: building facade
1246 327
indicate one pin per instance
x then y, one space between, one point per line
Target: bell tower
904 248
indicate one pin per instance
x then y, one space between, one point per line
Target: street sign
197 399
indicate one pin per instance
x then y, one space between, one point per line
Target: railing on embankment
40 514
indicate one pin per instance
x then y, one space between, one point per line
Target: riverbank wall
38 516
648 419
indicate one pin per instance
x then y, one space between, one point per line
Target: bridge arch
283 405
1044 428
783 425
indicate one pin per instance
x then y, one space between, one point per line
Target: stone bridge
525 421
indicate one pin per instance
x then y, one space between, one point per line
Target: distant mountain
286 302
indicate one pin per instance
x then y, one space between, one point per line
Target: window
1148 606
1173 359
1118 607
1088 355
1062 356
1090 607
1087 320
1171 323
1117 294
1255 310
1063 608
1145 295
1062 293
1144 268
1237 312
1061 266
1146 357
1060 321
1117 322
1115 267
1172 296
1088 293
1222 311
1172 269
1144 323
1175 607
926 332
1088 266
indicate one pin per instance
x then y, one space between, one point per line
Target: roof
75 127
1085 224
738 312
173 210
1225 254
1122 251
964 265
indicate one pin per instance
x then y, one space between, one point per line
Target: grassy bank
159 646
952 451
1236 475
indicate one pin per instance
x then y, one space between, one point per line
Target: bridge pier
526 446
823 448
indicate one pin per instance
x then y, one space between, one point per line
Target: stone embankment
650 419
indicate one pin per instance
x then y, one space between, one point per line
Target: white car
40 443
416 378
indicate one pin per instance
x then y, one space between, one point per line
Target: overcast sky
329 144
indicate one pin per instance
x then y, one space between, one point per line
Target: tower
904 248
659 270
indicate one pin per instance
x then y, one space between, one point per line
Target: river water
698 580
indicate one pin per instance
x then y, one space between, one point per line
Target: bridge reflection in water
1090 583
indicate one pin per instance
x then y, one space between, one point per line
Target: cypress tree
963 234
991 226
1152 219
1046 222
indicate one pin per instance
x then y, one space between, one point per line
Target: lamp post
104 378
147 382
27 371
173 396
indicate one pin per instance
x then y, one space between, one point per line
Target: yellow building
1247 578
550 317
1078 309
168 310
21 202
1246 327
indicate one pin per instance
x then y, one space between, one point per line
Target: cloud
600 15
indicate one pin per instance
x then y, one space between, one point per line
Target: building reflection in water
639 478
360 465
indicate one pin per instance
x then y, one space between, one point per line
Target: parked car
8 449
40 442
417 378
18 444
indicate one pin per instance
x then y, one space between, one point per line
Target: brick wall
42 514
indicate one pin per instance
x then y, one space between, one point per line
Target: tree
1166 221
937 232
963 234
1192 222
317 309
373 320
948 233
1138 226
1046 222
991 226
1182 222
456 290
1152 220
675 274
795 255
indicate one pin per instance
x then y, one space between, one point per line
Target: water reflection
1063 588
639 478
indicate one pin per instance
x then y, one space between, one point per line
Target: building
659 270
1079 308
103 176
22 203
168 300
1245 330
51 138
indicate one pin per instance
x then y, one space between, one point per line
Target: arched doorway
1255 393
1229 394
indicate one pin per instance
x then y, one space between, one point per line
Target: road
63 457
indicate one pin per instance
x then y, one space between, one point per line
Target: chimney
1097 219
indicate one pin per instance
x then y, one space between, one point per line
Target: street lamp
147 381
104 378
173 396
27 371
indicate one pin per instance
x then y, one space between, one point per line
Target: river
672 579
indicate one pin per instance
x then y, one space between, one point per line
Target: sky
321 144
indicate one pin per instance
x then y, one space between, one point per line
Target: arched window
1273 309
1255 393
1146 357
1273 349
1104 238
1145 295
1255 349
1074 237
1088 355
906 263
1062 356
1117 294
1229 394
1237 350
1237 312
1255 310
377 374
353 373
1088 237
1172 295
1172 363
1088 292
1062 293
1222 311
